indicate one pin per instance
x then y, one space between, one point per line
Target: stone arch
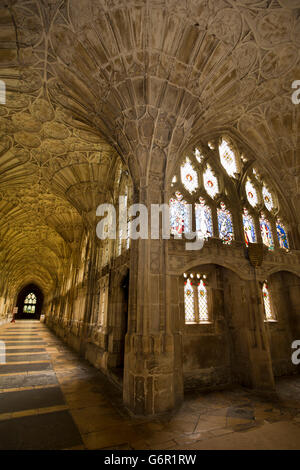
30 288
218 354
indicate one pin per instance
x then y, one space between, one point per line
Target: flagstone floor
50 398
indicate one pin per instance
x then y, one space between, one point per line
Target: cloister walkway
50 398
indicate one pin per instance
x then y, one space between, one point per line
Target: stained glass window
228 158
202 302
204 223
249 228
266 232
282 235
251 194
189 177
210 182
30 303
189 305
269 314
179 220
268 199
225 225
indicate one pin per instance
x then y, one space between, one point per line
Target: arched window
251 194
228 158
266 232
202 302
269 314
189 303
249 228
282 235
198 180
103 301
225 225
196 305
189 177
179 219
123 235
204 223
30 303
268 199
210 182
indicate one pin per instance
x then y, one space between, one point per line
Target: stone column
153 380
259 348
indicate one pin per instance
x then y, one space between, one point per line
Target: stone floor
52 399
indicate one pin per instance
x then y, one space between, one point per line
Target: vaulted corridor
52 399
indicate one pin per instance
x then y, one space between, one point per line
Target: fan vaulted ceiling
86 79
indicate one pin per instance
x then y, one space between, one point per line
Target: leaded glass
30 299
268 199
266 232
179 220
189 177
251 194
249 228
225 225
189 305
228 158
210 182
204 223
282 235
29 303
202 302
267 303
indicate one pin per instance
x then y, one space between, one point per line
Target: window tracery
30 303
196 302
228 158
199 184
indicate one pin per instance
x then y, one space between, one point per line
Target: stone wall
206 347
283 331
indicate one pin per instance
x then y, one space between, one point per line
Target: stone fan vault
107 97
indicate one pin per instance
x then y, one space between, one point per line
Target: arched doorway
30 302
